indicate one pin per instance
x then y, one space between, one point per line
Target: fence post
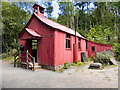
27 59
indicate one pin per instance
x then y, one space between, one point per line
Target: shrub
80 63
61 70
66 65
89 59
118 58
103 57
73 64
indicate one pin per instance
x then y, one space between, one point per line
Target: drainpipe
75 46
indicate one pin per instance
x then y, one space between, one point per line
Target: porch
28 63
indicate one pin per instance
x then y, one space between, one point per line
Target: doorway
34 49
83 57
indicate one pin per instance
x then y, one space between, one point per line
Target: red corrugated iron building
52 43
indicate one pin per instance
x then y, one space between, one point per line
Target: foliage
10 58
118 58
66 17
103 57
89 59
116 49
66 65
14 19
100 34
49 9
100 23
26 6
80 63
73 64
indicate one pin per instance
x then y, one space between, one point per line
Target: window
34 44
67 40
93 48
79 43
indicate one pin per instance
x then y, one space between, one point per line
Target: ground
74 77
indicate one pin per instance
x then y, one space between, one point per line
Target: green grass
10 58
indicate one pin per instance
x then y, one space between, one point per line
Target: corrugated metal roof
32 32
57 25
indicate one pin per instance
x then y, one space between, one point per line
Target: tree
14 19
49 9
67 12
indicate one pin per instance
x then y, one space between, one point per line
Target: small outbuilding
52 44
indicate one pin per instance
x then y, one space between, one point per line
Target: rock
95 65
113 61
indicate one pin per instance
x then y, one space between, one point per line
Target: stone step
95 66
37 67
31 64
113 61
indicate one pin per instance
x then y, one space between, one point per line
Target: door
83 57
34 49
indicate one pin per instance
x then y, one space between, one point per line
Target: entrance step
31 64
36 66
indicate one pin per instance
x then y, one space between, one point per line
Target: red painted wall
51 48
98 48
62 54
25 35
27 46
45 46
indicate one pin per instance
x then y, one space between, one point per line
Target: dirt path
71 78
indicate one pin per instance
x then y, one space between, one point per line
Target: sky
56 8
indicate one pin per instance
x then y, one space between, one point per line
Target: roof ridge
57 25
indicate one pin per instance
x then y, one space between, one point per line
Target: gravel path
79 77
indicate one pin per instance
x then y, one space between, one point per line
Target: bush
103 57
118 58
80 63
66 65
12 52
89 59
73 64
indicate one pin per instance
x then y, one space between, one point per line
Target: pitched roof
57 25
32 32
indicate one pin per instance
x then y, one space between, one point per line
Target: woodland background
100 23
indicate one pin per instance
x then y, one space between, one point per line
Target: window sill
68 48
79 49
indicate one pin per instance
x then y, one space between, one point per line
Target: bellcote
38 9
